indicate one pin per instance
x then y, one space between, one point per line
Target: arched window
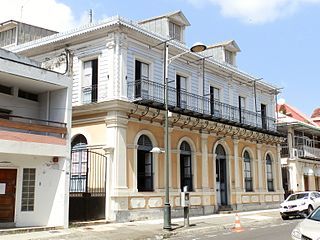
79 141
79 164
145 169
185 166
269 173
247 172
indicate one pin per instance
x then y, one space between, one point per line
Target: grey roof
226 43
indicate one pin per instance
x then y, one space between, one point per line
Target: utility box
185 198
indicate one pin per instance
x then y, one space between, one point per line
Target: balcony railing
150 93
90 94
15 123
304 151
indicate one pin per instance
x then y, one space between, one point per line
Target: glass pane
144 71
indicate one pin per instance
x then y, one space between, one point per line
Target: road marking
226 233
210 236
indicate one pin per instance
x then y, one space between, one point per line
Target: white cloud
49 14
256 11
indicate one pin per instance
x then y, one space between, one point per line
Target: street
276 230
261 225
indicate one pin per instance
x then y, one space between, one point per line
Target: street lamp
197 47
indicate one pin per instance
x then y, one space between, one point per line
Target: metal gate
87 184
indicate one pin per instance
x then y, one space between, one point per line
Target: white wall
51 190
19 106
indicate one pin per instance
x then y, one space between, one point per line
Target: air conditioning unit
295 153
300 153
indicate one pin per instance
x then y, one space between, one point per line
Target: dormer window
175 31
228 57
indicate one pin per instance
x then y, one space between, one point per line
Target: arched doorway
145 164
185 167
221 176
87 192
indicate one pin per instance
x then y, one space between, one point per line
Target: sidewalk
151 229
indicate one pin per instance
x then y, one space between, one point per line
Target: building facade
13 33
222 135
300 153
35 127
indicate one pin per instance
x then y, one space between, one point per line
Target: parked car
309 228
300 204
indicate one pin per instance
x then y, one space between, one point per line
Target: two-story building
300 153
222 135
35 124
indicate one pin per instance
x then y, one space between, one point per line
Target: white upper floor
35 105
110 57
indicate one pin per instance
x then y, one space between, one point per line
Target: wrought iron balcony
90 94
149 93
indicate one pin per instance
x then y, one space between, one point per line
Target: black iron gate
87 184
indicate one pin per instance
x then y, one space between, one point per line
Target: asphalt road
275 230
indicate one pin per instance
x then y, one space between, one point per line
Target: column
290 137
236 170
278 167
236 164
293 177
116 146
259 157
116 123
204 151
109 214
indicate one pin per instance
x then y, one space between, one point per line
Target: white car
300 204
309 228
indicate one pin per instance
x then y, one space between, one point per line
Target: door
141 79
221 177
181 87
264 116
306 182
7 194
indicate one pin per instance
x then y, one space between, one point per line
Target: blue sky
278 38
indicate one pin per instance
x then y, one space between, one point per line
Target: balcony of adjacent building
302 147
34 136
151 94
13 127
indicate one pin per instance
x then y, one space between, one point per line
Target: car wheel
284 217
310 209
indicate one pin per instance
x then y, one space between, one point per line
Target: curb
27 230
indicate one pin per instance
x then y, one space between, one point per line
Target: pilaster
236 164
116 124
204 151
259 157
278 166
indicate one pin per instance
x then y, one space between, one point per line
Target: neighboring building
223 140
300 153
315 117
35 124
13 33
